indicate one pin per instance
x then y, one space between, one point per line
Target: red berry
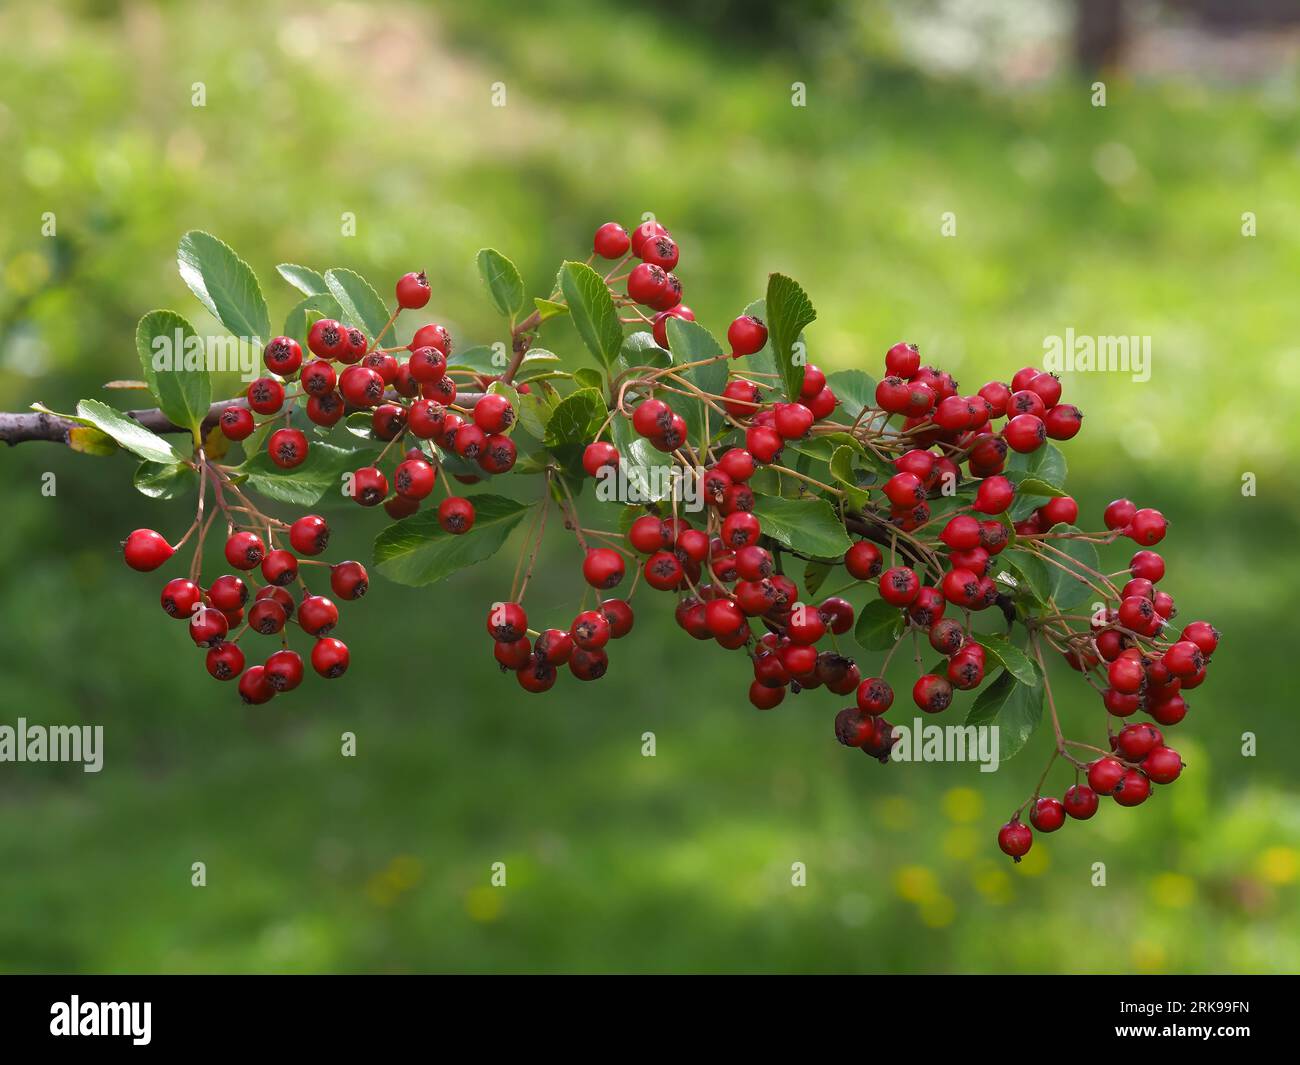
746 335
369 486
875 696
328 339
413 291
427 365
1147 565
283 670
611 241
649 534
599 455
493 413
225 661
254 687
326 410
537 676
994 495
146 550
793 420
180 597
1133 789
740 528
514 655
279 567
507 622
659 326
1015 839
318 378
1119 514
456 515
361 386
309 535
349 580
414 478
647 283
863 560
268 616
244 550
1135 742
1147 527
738 464
236 423
1047 815
1025 433
282 355
1080 802
603 567
899 585
1061 510
663 571
618 612
1063 421
287 448
1162 764
902 360
431 336
1203 634
329 657
590 630
208 627
660 250
932 693
1105 774
266 395
317 615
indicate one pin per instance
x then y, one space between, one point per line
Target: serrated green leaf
1033 576
855 389
90 441
535 410
1030 472
362 308
588 378
360 423
417 551
841 467
808 525
482 358
321 472
130 434
547 309
173 359
1014 708
593 311
879 626
303 278
158 481
640 349
299 321
504 284
1010 657
789 311
576 419
224 284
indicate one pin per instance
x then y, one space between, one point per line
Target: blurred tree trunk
1099 28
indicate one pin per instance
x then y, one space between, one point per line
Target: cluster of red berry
413 394
220 615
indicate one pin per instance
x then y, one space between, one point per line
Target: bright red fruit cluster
220 615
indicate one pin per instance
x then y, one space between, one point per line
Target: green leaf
1035 475
305 313
879 626
1034 486
322 471
808 525
841 467
576 419
1015 708
1033 575
482 358
636 458
547 309
593 311
360 423
303 278
1068 589
640 349
1010 657
90 441
535 410
159 481
539 361
504 284
586 377
814 576
418 551
173 359
129 433
361 305
788 311
224 284
855 389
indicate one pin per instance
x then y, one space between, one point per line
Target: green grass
616 861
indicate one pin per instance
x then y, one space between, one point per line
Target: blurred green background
1123 219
